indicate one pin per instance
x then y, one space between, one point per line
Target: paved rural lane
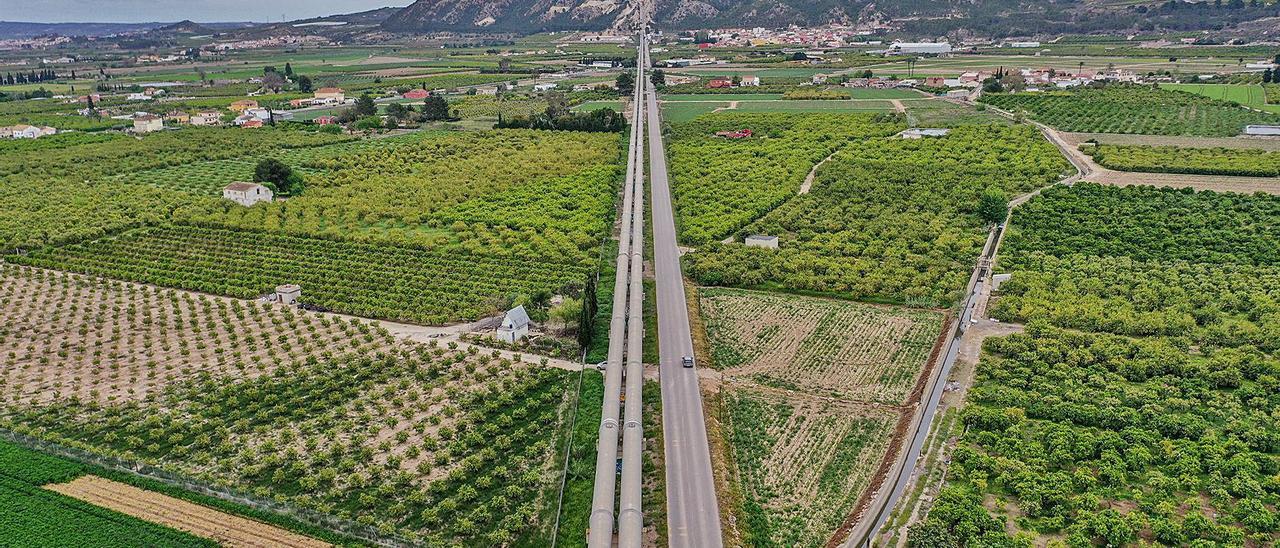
693 517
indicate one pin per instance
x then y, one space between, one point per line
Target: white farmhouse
546 86
147 123
247 194
24 131
206 119
330 95
750 80
515 325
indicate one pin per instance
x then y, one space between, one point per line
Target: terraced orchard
816 392
824 347
431 444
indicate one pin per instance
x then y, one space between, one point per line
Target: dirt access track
201 521
1069 144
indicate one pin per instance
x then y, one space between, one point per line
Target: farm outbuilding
920 47
761 240
247 194
1261 130
919 133
288 293
998 280
515 325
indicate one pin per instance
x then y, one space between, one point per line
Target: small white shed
1261 130
998 280
247 194
918 132
288 293
760 240
515 325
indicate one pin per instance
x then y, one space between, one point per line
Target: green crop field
719 97
676 112
859 93
1253 96
35 516
597 105
763 72
815 106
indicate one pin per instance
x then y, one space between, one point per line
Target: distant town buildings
206 119
24 131
243 105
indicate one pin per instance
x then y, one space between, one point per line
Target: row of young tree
32 77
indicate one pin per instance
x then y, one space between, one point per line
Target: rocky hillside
515 16
989 18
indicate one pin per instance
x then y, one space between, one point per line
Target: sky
142 11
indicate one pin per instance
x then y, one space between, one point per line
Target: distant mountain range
907 18
989 18
19 30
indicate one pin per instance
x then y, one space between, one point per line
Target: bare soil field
815 395
842 349
1260 143
804 460
1216 183
226 529
1069 144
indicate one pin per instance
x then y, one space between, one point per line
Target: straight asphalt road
693 517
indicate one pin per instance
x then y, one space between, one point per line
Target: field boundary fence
309 517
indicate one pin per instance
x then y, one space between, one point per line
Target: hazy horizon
168 11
